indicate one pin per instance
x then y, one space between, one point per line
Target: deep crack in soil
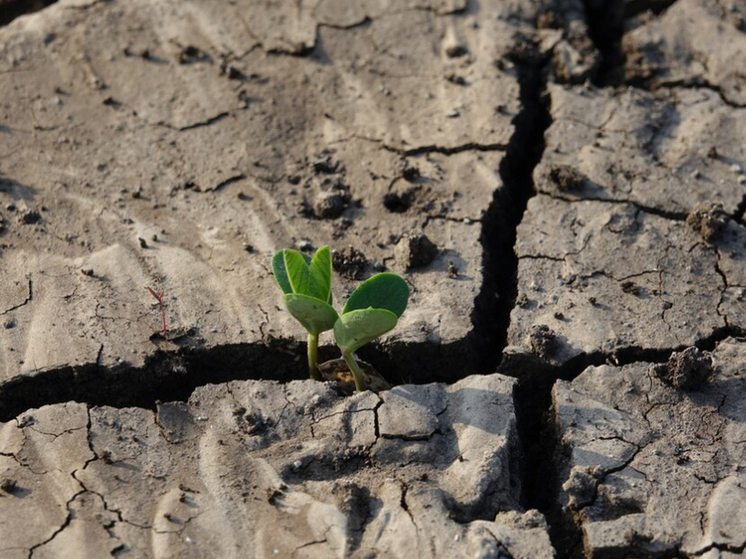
172 376
11 9
606 28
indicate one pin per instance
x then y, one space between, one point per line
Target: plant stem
159 298
313 351
349 358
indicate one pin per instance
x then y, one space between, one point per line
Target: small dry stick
159 298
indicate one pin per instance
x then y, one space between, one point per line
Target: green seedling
306 284
372 310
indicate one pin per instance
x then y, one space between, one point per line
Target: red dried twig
159 298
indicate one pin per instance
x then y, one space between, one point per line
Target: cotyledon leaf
382 291
321 273
356 328
298 273
280 271
316 316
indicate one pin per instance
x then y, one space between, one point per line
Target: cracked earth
568 374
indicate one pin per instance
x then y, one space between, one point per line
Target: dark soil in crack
11 9
606 27
499 290
171 376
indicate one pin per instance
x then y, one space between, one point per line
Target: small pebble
741 179
453 114
736 168
695 174
305 246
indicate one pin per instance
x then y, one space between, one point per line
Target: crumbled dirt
686 370
581 486
566 177
543 341
415 251
350 263
709 220
329 205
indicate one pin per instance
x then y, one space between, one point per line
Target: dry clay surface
226 475
175 146
652 471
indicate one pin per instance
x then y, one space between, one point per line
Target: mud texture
425 471
652 471
561 183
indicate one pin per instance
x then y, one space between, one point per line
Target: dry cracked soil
560 182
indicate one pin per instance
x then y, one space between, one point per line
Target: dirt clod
398 202
415 251
631 287
324 164
30 217
411 173
328 205
190 54
709 220
581 486
350 263
8 485
452 270
566 178
542 340
686 370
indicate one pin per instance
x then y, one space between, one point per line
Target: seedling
306 283
159 298
372 310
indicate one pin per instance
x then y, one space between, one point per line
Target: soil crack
28 299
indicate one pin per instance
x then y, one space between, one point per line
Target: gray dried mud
561 183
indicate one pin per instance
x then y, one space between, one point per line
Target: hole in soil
11 9
398 203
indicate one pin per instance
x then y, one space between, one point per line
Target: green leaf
356 328
382 291
280 271
321 273
315 315
298 273
305 281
